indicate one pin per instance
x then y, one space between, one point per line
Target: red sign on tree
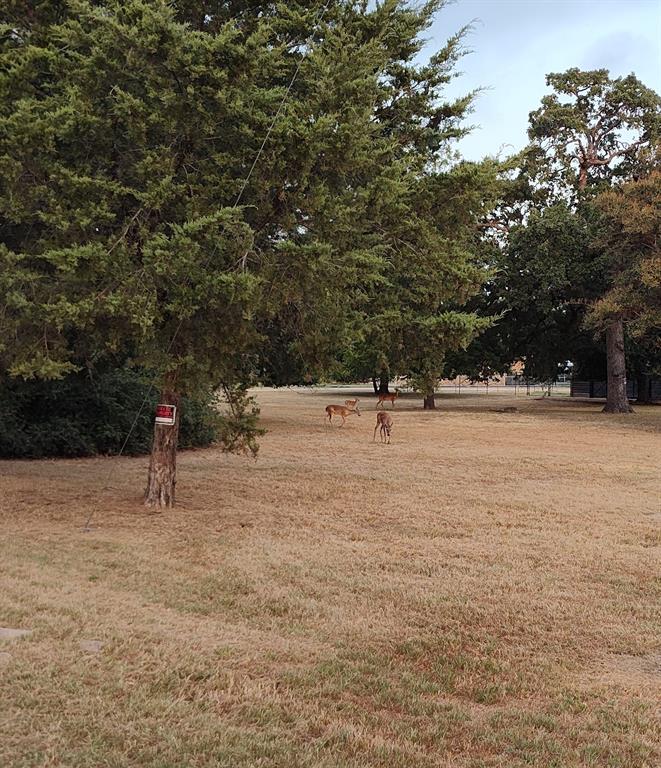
166 414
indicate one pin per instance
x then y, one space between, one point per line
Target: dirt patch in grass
482 592
634 672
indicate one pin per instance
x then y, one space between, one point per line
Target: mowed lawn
483 592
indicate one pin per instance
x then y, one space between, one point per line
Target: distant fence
520 381
600 388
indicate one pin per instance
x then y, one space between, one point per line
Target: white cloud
517 43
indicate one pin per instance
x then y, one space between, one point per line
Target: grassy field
483 592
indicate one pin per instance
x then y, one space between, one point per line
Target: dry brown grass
482 592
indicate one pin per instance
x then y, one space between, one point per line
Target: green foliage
398 262
555 268
537 291
487 357
118 227
127 130
237 421
415 315
84 414
598 132
629 237
592 128
548 275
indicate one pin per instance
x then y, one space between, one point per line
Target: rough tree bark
383 383
616 396
162 477
375 385
429 403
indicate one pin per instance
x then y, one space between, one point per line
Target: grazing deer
351 403
340 410
384 425
383 398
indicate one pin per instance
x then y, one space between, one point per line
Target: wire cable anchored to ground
237 202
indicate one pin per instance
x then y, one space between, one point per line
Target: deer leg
342 424
374 438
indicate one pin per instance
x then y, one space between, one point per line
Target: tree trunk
643 384
162 477
375 385
616 395
429 403
383 383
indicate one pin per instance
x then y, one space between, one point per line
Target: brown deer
384 425
340 410
351 403
384 397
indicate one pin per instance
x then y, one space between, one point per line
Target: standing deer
384 425
383 398
340 410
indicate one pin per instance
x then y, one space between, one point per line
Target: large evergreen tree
151 203
416 314
123 144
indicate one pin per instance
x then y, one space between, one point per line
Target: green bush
86 414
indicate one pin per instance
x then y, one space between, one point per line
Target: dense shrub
85 414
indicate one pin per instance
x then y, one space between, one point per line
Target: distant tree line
577 274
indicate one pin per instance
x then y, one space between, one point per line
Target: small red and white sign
166 414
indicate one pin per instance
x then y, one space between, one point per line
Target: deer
384 425
351 403
340 410
384 397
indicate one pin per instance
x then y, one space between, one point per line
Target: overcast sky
516 43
